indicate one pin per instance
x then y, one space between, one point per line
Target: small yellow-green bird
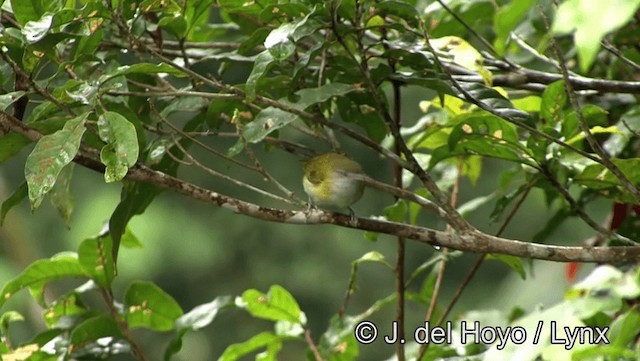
331 180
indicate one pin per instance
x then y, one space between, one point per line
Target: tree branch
476 241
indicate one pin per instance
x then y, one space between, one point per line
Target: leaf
129 240
8 318
266 121
281 41
121 151
42 271
396 212
506 19
11 144
554 98
474 204
202 315
484 135
400 9
490 97
26 11
96 258
9 98
199 317
50 155
92 329
61 197
34 31
272 342
14 199
359 108
591 22
515 263
143 68
278 304
310 96
595 130
597 177
147 305
63 307
135 198
263 62
463 53
625 328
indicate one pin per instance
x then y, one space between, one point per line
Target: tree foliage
138 90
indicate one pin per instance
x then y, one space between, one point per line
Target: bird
333 180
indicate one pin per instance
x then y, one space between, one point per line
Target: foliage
137 90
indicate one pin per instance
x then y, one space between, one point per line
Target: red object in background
571 271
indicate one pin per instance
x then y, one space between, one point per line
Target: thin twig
312 345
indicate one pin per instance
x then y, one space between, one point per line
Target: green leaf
87 45
506 19
554 98
597 177
135 198
96 258
6 319
360 108
474 204
63 307
484 135
40 272
401 9
199 317
272 342
147 305
143 68
34 30
280 42
591 22
14 199
529 103
310 96
396 212
50 155
129 240
10 144
268 120
625 328
121 151
28 10
463 53
515 263
276 305
263 62
202 315
92 329
61 197
9 98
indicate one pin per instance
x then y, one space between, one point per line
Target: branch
476 242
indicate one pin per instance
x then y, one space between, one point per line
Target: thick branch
476 241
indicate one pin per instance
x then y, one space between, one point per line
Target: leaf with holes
95 257
147 305
50 155
121 151
484 135
277 305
